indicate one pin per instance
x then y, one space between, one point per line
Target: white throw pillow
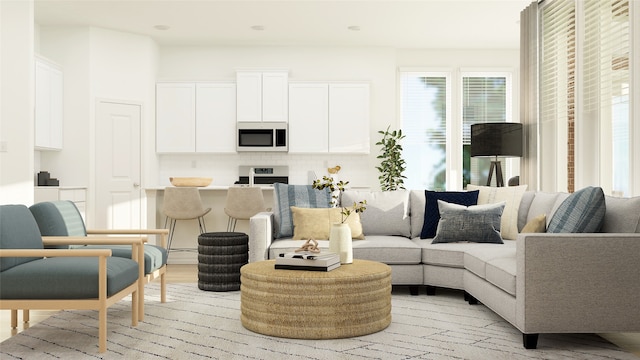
511 195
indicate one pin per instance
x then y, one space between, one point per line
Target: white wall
98 64
16 102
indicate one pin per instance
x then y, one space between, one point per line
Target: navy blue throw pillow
432 213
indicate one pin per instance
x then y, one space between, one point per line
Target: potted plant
392 165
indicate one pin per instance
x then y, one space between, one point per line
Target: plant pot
340 242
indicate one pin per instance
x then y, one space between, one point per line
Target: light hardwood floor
189 274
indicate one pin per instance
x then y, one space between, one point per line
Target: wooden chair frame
161 272
102 302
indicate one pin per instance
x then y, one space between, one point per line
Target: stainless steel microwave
262 136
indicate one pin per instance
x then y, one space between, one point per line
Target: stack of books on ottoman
325 261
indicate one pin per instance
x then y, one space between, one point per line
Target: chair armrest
260 235
577 282
55 252
163 233
136 242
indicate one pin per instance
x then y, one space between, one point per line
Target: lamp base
495 164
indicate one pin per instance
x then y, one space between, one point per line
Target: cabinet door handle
136 185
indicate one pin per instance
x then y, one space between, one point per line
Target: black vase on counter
45 179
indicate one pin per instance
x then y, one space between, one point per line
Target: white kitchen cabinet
308 118
349 118
262 96
76 194
329 118
195 117
48 105
175 117
216 117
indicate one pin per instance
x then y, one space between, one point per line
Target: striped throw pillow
581 212
304 196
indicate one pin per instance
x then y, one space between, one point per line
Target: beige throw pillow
537 225
511 195
315 223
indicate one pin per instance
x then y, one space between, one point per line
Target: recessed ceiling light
257 27
162 27
354 28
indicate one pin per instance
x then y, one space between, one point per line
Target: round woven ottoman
220 257
352 300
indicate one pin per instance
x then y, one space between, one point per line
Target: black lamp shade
496 139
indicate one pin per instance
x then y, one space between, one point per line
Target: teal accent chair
32 277
62 218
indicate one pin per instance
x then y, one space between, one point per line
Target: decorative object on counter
502 139
45 179
392 165
190 181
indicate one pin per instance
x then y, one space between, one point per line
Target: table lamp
496 139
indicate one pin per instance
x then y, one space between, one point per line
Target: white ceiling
434 24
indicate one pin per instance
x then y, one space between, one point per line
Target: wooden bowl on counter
190 181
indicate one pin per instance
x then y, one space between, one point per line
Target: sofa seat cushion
155 257
65 278
446 254
501 272
391 250
475 260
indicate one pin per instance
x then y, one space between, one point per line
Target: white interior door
117 191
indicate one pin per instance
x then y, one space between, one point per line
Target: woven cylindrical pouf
220 257
352 300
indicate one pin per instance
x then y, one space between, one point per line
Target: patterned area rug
196 324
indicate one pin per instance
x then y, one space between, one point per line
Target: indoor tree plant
392 165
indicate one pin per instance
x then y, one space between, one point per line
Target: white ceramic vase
340 242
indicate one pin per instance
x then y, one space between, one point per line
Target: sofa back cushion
285 196
540 203
387 212
417 201
18 230
622 215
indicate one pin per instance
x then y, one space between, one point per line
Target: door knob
136 185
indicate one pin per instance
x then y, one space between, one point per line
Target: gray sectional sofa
538 282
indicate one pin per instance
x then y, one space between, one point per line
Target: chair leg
202 225
102 329
14 318
163 286
231 224
172 227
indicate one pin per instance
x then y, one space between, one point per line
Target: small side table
220 257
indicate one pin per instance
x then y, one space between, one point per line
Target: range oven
263 175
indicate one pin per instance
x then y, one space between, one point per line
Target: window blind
557 93
606 87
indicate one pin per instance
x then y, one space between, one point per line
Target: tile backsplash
223 168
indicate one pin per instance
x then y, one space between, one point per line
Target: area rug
195 324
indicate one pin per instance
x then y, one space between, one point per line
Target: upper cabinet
48 105
349 118
175 117
195 117
331 118
262 96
